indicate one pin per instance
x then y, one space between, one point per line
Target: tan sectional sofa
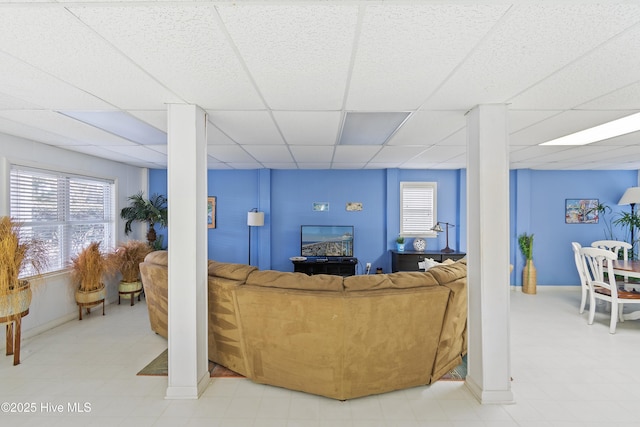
328 335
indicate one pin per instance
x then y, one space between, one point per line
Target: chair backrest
614 246
579 259
595 267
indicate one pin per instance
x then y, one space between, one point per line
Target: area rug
159 367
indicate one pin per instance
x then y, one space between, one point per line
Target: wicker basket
16 301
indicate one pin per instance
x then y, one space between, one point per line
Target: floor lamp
630 197
438 229
254 219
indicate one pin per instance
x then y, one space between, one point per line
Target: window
64 211
417 208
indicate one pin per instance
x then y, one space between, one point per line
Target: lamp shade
255 219
631 196
437 228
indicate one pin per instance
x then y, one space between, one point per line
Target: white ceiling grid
276 77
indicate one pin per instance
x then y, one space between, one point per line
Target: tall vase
529 278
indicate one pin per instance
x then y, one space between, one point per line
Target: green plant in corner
400 240
525 241
152 211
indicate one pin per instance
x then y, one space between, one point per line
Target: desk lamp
438 229
254 219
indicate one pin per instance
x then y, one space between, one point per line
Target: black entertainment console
338 266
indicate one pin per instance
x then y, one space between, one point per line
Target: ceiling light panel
563 124
612 129
370 128
429 127
510 58
420 33
247 127
309 128
59 44
183 47
299 55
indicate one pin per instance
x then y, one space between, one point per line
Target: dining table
628 268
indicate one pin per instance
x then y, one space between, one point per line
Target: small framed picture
353 206
211 212
320 206
581 211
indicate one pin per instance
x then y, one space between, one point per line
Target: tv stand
338 266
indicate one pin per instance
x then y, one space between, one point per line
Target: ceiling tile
314 165
436 155
422 43
355 154
182 47
588 78
269 153
32 132
309 154
625 98
397 154
216 137
156 118
426 128
229 154
247 127
309 128
511 58
299 55
82 58
71 129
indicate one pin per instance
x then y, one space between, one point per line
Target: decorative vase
529 279
400 247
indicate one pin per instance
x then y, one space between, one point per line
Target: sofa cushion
400 280
158 257
231 271
445 273
288 280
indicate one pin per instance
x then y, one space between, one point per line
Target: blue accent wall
537 204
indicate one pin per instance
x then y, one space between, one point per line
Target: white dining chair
578 257
615 246
597 262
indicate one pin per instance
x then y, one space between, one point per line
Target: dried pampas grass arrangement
128 256
89 266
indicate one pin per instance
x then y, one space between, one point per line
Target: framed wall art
581 211
211 212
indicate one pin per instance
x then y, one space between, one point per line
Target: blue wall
537 202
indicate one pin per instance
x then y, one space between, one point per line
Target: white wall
53 300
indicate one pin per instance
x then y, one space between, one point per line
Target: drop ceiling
277 78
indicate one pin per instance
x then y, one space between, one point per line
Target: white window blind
66 212
417 208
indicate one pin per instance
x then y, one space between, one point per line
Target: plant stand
129 290
16 308
90 299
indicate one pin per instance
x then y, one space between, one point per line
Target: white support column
489 362
187 234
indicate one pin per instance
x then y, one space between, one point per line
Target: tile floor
565 373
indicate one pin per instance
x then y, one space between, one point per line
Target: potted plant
18 255
152 211
400 243
525 241
87 270
127 258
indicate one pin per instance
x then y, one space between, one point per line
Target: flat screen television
326 240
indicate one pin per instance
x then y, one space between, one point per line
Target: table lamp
438 229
